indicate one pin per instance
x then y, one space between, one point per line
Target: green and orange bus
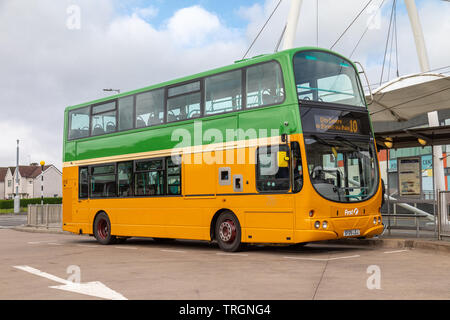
278 148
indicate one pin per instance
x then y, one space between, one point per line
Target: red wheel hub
102 229
227 231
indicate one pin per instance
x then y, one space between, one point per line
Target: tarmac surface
32 264
12 220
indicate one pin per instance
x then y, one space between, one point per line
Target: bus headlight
375 220
324 224
317 224
379 219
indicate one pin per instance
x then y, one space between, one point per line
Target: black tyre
120 240
228 232
102 229
299 245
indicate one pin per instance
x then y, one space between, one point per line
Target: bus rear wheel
228 232
102 229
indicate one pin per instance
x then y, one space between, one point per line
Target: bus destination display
324 123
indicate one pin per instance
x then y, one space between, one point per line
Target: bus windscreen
325 77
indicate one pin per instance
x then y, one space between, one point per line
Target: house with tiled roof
2 182
30 182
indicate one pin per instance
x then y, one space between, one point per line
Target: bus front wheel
228 232
102 229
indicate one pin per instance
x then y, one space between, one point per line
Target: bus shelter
406 191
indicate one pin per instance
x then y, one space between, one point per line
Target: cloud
34 146
147 12
333 20
191 26
45 66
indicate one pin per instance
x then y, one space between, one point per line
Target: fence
443 214
408 216
47 215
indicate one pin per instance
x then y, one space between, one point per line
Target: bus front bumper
320 235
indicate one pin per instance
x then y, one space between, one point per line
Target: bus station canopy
406 138
407 97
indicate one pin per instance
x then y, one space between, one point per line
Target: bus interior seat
75 133
84 132
98 129
195 114
171 118
173 190
125 191
152 120
140 123
268 99
110 127
79 133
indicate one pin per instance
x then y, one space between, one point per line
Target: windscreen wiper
358 148
321 141
339 138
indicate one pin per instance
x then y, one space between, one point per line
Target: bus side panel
70 197
162 217
140 217
198 177
269 218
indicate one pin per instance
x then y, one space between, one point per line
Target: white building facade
30 182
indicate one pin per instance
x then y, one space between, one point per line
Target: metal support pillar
292 22
418 35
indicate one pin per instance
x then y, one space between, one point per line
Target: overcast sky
50 59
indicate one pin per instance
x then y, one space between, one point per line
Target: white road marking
54 244
88 245
395 251
129 248
323 259
39 242
348 257
176 251
94 288
232 254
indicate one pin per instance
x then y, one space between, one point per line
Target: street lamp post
42 182
16 196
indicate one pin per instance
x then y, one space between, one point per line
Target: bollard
46 214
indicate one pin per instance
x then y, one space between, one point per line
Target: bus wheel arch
212 227
226 230
101 228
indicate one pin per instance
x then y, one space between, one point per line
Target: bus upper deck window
125 114
264 85
79 123
150 108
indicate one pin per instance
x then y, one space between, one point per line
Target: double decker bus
278 148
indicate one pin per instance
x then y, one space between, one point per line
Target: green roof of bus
238 64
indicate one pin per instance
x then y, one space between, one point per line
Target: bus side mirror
367 81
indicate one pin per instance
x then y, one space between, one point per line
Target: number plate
353 232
